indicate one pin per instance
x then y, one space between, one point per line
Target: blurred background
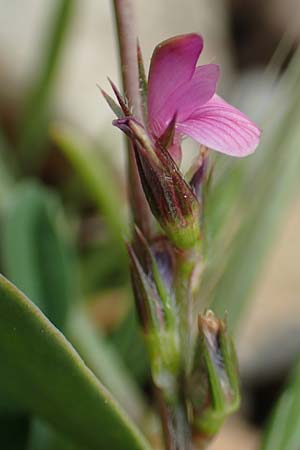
63 199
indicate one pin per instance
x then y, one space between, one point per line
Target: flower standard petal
172 64
222 127
198 91
188 98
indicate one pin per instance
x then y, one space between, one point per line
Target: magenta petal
188 98
199 90
172 65
222 127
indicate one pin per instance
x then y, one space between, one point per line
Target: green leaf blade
43 371
276 177
36 254
283 432
95 175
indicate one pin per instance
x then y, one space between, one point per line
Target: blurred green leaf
96 177
103 266
6 178
44 437
35 256
220 197
38 258
101 357
283 432
36 251
127 338
42 370
34 126
264 188
14 431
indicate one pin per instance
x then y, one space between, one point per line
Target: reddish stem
127 40
174 419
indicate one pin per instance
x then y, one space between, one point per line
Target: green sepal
112 104
151 267
143 84
157 313
148 303
213 386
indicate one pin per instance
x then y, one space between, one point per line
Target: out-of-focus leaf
14 432
96 177
104 361
271 198
36 254
44 437
6 178
265 186
221 197
104 266
37 257
34 125
43 371
127 338
283 432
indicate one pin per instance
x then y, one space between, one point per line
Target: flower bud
151 273
171 199
213 386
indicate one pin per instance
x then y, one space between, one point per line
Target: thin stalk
186 270
174 418
127 41
176 429
174 412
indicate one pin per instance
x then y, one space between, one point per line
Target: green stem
175 420
176 429
186 266
127 40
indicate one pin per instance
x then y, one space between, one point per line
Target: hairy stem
176 429
127 40
186 268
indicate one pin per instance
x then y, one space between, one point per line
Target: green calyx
216 364
184 232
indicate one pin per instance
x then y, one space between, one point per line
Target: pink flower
177 86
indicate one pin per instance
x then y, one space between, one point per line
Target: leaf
283 431
95 176
127 338
103 266
43 371
44 437
6 178
268 185
38 257
36 253
34 124
14 432
100 356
